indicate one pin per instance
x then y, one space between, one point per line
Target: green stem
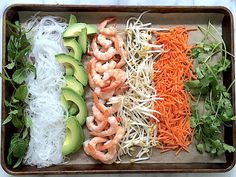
212 107
232 83
209 68
217 110
212 54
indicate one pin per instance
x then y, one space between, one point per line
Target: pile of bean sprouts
138 101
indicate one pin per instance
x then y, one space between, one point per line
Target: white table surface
231 4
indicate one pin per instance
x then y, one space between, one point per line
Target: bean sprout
138 101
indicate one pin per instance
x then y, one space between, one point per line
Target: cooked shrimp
101 67
98 79
107 31
121 90
99 105
105 157
93 127
106 79
103 41
120 78
122 52
118 136
110 131
111 51
96 141
89 73
113 101
104 95
98 115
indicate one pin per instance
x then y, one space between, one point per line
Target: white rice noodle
47 132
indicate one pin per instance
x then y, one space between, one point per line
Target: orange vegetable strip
174 68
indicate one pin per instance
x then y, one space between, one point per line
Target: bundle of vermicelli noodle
48 130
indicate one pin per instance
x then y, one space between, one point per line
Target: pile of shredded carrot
172 69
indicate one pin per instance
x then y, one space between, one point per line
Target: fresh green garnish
207 120
16 71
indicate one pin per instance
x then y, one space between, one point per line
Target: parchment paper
189 20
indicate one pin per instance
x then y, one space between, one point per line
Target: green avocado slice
74 30
76 48
74 136
83 39
73 19
71 95
69 71
79 71
72 83
73 110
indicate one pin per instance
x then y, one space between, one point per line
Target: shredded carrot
174 68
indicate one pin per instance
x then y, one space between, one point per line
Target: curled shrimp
90 148
118 136
104 95
98 115
101 66
89 73
110 131
98 127
113 101
107 31
96 78
123 54
103 41
108 54
119 78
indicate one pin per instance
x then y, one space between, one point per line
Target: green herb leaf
23 53
200 148
4 77
25 133
28 121
18 48
19 75
14 112
217 110
10 65
18 162
20 148
17 122
21 93
228 148
7 120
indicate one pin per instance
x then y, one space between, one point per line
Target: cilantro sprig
16 72
210 56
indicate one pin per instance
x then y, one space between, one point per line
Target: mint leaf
21 93
4 77
19 75
25 133
10 65
17 122
28 121
14 112
20 148
7 120
18 162
23 53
